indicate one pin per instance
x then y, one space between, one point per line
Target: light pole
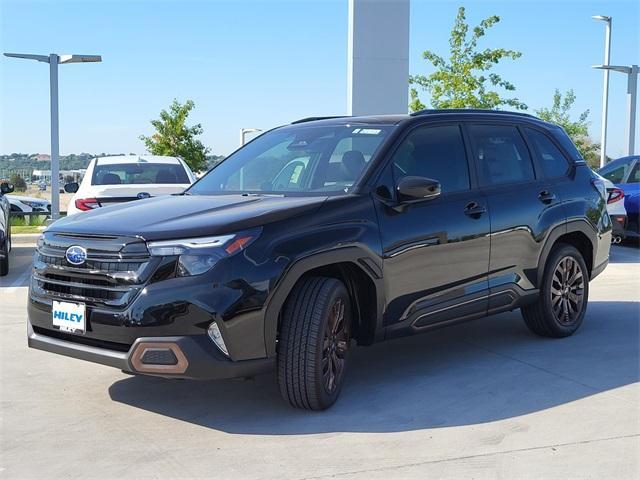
53 60
605 91
243 133
632 91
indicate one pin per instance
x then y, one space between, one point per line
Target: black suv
325 232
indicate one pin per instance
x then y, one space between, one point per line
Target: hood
168 217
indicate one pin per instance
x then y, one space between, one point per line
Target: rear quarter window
566 143
554 163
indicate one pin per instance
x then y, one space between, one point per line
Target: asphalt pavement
485 399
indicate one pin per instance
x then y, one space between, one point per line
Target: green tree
464 80
578 130
174 138
18 182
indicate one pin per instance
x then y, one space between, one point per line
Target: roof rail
468 110
311 119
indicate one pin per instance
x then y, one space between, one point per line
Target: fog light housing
216 336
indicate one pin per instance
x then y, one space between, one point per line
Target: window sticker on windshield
367 131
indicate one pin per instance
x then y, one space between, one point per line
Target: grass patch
25 229
28 224
28 221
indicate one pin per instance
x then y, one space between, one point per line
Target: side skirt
499 299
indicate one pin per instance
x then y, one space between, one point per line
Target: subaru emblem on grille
142 195
76 255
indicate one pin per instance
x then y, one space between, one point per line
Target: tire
308 345
4 262
562 303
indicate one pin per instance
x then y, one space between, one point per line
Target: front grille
109 266
115 271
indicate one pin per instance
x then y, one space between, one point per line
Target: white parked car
20 203
616 210
111 180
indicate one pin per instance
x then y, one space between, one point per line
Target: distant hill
37 161
26 163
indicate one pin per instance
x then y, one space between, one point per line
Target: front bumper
192 357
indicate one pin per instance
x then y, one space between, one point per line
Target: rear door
524 206
435 252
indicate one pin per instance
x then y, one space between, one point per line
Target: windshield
138 173
299 159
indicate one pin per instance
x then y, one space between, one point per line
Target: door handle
474 210
546 197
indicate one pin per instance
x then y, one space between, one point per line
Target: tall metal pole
632 91
55 140
605 94
243 134
53 60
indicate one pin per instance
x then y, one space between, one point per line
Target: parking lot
480 400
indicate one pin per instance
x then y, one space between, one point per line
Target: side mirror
411 189
71 187
6 188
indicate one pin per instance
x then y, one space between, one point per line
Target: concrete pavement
481 400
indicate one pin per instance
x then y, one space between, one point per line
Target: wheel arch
354 266
579 234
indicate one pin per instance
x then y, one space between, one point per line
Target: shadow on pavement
624 254
20 259
478 372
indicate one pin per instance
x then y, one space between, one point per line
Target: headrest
111 179
354 162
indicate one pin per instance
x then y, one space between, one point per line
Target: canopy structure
378 57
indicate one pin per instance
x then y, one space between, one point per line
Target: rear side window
554 163
635 174
434 152
615 172
501 154
138 173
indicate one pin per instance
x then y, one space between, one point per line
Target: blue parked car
625 174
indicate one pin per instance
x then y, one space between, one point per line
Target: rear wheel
314 341
562 303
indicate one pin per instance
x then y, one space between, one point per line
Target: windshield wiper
253 194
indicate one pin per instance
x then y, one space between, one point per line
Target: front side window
138 173
501 154
434 152
297 159
554 163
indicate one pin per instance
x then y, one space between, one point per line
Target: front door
436 251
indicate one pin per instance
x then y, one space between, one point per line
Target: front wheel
562 303
314 341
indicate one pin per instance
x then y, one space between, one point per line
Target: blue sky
265 63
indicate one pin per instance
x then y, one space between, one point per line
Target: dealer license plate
69 317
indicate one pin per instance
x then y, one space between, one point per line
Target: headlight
33 204
198 255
